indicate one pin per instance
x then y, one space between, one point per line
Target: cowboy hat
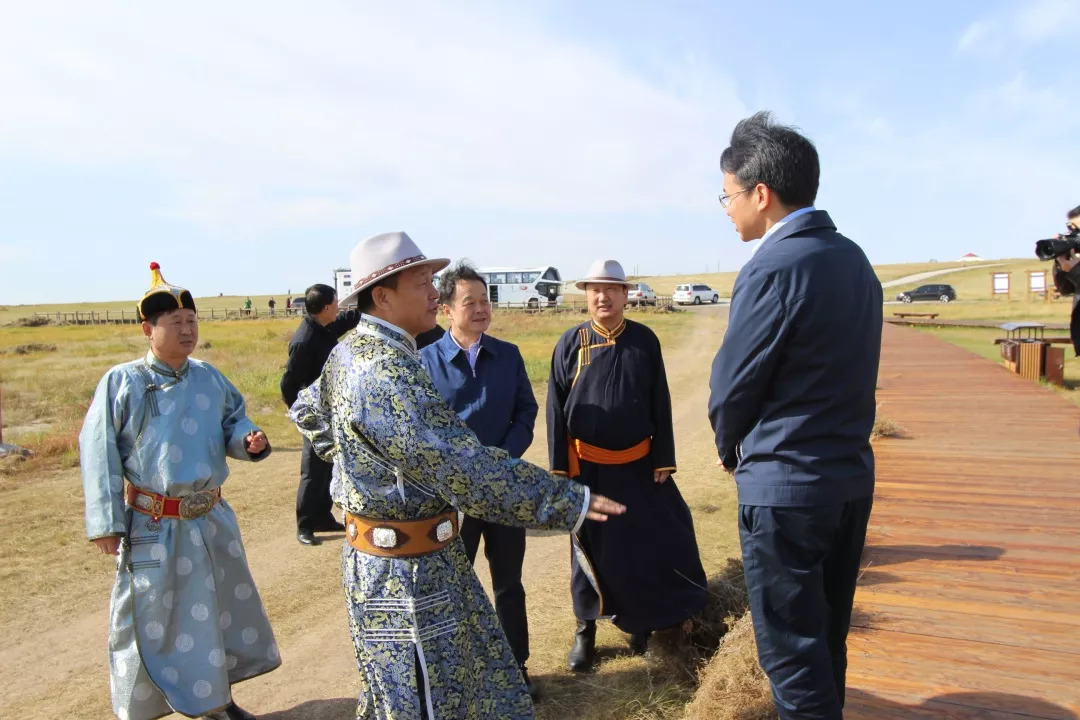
381 256
607 272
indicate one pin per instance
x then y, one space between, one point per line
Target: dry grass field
48 571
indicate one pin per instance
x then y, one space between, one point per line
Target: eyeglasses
725 200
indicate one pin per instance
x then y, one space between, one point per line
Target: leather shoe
639 643
330 525
306 537
581 655
232 712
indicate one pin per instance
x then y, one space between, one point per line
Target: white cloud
1024 23
263 117
1047 19
974 35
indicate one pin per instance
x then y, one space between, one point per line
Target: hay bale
685 648
733 685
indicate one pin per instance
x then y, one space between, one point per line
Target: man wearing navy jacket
792 405
484 380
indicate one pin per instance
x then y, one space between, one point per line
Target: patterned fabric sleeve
405 418
102 467
313 420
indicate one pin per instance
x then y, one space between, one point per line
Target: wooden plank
971 666
967 606
927 620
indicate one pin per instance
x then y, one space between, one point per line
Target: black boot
581 655
232 712
639 643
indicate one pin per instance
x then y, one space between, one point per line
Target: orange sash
578 450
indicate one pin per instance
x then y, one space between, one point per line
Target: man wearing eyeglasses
792 406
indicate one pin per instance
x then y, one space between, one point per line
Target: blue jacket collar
449 348
816 220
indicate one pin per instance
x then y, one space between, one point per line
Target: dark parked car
941 293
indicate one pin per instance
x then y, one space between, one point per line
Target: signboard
1000 283
1037 281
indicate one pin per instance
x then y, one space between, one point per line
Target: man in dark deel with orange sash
609 427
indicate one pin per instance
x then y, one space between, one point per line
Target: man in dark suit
792 406
309 348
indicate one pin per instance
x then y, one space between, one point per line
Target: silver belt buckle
197 504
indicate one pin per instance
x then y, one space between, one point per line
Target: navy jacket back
793 386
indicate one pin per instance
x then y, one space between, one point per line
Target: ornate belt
401 538
190 506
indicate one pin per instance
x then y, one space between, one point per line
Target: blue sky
248 149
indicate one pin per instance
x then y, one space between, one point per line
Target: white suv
640 294
696 294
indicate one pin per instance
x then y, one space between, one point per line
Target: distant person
186 621
247 306
609 427
484 380
1067 279
792 406
316 336
272 304
288 305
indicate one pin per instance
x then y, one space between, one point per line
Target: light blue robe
185 619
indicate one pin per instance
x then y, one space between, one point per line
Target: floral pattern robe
422 627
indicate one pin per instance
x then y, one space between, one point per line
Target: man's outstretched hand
600 507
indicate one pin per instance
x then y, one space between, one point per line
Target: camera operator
1067 279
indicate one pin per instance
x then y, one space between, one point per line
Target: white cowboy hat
608 272
381 256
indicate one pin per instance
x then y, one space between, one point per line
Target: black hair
364 302
318 297
777 156
156 317
448 280
1074 213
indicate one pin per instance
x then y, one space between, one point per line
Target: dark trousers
504 548
801 564
313 504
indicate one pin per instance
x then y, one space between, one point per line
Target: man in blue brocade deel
185 621
428 643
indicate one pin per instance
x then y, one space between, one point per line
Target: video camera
1061 245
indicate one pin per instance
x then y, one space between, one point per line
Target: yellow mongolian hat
163 297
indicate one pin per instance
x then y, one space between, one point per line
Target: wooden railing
128 317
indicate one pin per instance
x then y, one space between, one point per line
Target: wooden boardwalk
969 603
